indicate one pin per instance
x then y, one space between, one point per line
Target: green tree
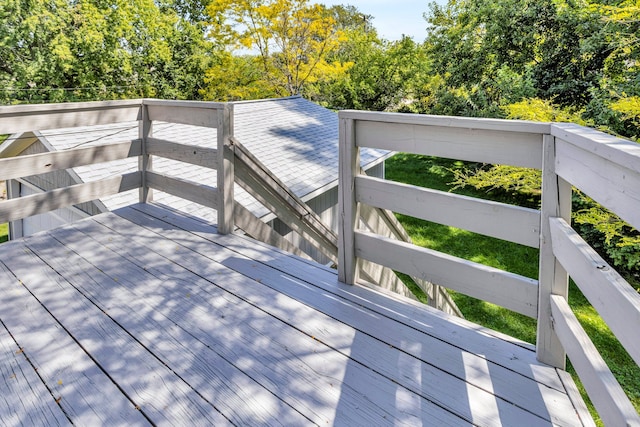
236 77
499 52
572 49
292 39
614 103
381 75
64 50
480 50
349 18
33 46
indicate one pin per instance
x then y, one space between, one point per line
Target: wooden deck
143 316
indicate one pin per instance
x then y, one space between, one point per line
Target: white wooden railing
603 167
22 118
251 174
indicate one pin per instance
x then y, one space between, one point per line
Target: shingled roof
295 138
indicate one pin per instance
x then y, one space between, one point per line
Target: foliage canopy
291 38
546 60
62 50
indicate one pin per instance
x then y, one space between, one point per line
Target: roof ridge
252 101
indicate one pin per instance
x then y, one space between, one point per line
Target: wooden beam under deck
145 316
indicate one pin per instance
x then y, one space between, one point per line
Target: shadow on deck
143 316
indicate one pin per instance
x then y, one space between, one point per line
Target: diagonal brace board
383 222
262 184
259 181
254 227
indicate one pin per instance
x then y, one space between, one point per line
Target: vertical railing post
15 227
145 130
225 170
349 167
552 277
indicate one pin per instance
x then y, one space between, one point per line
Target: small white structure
295 138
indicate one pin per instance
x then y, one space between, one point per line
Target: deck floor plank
498 348
157 392
513 389
24 398
144 299
326 376
492 345
505 383
158 307
72 377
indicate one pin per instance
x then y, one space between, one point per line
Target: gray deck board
500 350
73 379
455 371
143 301
184 326
24 400
276 342
156 391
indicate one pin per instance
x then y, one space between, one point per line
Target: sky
393 18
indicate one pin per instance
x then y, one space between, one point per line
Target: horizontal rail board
36 164
384 222
507 222
272 200
477 145
508 290
199 156
268 189
621 151
606 394
449 121
614 299
175 103
615 187
195 116
22 207
198 193
254 227
23 118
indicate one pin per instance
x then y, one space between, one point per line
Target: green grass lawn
437 173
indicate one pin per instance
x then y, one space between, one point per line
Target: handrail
604 167
268 189
257 180
24 118
508 142
36 164
21 118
